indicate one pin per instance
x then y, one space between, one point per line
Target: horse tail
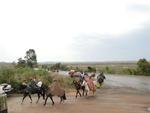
64 96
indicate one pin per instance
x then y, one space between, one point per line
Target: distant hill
5 64
102 62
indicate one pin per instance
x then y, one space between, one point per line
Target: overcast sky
75 30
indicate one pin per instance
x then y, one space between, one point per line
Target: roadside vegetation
15 77
27 68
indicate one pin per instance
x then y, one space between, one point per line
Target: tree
91 69
31 58
21 62
56 67
143 66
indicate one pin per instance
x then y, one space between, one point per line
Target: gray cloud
131 46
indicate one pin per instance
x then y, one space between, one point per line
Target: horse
29 89
85 83
55 90
73 73
79 86
89 83
100 78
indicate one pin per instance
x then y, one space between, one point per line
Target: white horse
84 83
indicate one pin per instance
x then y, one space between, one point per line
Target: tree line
30 60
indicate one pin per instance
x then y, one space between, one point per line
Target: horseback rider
100 78
24 84
39 83
81 76
33 84
102 75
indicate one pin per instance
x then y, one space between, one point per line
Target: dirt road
106 100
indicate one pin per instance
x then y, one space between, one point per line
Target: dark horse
100 78
27 90
78 86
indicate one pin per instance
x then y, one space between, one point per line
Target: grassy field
120 67
107 67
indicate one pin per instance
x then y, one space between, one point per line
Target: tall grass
15 76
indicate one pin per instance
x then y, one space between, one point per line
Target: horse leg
43 95
61 99
38 98
79 93
83 89
76 93
45 100
64 96
100 84
30 98
86 93
43 92
52 100
24 96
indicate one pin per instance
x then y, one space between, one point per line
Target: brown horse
73 73
89 84
55 90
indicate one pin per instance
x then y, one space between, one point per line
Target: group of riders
86 82
82 81
83 78
33 83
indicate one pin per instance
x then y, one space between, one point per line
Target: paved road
141 83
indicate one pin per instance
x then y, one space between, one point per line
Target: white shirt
39 84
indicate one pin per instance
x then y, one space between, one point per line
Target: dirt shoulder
106 100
